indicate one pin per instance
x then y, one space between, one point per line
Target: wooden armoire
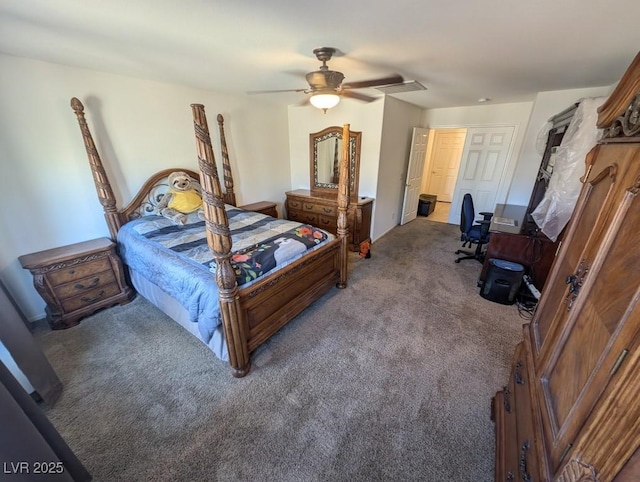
571 408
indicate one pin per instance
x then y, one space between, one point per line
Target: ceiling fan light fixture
324 100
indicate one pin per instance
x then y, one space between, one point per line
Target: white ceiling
460 50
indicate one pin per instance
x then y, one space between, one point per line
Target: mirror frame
331 189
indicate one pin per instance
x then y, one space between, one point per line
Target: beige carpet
390 379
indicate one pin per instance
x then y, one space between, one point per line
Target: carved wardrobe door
582 329
582 349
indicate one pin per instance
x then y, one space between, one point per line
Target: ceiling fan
326 87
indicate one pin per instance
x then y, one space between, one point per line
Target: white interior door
483 161
414 174
446 153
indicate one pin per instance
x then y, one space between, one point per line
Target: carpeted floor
390 379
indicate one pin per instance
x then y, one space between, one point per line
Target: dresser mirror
325 149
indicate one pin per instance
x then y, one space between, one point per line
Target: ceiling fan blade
357 95
275 91
392 79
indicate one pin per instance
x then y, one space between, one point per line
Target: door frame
510 166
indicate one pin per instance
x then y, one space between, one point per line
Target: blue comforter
178 260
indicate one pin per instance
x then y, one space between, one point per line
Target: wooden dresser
570 410
77 280
322 212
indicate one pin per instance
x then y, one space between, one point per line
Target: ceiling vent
409 86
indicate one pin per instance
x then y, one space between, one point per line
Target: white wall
547 104
515 114
399 120
46 187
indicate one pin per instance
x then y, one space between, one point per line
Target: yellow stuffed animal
181 199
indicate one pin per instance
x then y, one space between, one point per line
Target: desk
532 250
508 211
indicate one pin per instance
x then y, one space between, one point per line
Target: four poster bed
235 278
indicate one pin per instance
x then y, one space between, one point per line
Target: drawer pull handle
327 210
71 271
524 475
517 376
94 299
80 286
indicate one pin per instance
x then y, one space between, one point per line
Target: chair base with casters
477 254
473 232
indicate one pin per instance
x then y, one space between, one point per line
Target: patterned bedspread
178 260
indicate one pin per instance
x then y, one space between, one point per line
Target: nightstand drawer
78 271
83 285
90 297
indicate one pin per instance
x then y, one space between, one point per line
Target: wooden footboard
271 303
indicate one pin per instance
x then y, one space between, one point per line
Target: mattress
177 261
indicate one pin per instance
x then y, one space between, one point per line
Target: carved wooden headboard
151 192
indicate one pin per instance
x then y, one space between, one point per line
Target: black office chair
472 232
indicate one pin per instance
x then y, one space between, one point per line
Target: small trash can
502 281
426 204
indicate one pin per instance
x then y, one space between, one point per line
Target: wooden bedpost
229 196
343 206
219 240
105 193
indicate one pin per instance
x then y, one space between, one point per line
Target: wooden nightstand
264 207
77 280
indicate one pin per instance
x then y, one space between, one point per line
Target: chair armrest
486 216
484 227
